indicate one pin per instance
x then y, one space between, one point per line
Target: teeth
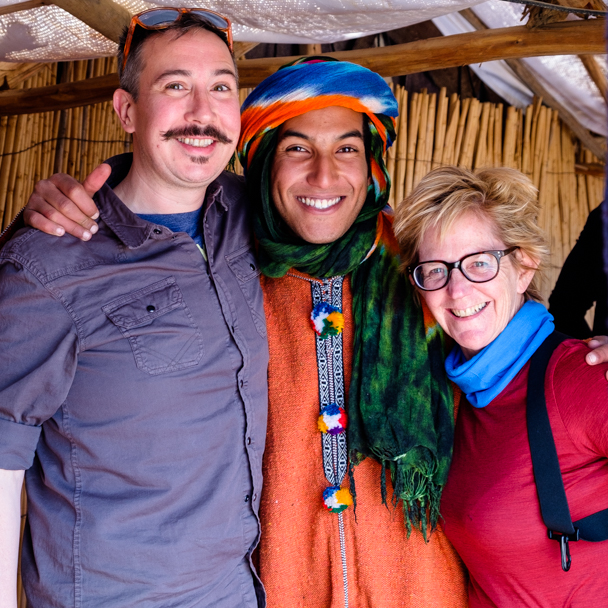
319 203
197 143
467 312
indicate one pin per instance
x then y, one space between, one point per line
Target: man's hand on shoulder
62 204
599 351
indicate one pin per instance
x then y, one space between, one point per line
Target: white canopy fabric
47 33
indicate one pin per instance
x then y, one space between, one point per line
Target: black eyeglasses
478 267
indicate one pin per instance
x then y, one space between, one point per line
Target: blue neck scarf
485 376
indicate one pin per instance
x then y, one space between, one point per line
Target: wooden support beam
597 145
15 73
104 16
569 37
242 48
311 49
58 96
596 73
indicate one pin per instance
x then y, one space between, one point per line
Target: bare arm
62 204
10 527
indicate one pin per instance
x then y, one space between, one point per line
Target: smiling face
474 314
186 119
319 174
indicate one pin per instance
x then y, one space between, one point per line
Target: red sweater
490 505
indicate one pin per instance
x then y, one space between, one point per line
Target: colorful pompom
332 419
336 499
327 320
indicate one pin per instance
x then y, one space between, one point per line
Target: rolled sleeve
17 445
38 356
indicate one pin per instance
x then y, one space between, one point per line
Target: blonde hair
505 197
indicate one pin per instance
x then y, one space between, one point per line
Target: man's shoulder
234 188
47 256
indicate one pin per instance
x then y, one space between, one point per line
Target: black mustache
195 131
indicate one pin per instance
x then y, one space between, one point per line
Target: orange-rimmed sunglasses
161 18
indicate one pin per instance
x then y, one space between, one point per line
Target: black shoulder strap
547 474
549 484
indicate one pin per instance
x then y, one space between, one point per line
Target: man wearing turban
358 394
361 416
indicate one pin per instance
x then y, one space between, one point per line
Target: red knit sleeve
581 394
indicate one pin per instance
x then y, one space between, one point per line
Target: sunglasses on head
162 18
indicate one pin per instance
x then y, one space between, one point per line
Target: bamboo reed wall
34 146
432 130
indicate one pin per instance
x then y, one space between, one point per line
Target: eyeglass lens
478 268
168 16
159 17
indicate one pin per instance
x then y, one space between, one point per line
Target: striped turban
314 83
305 85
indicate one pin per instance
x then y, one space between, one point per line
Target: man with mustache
133 386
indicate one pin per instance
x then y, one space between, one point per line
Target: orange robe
299 554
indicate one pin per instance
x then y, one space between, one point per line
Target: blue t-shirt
187 222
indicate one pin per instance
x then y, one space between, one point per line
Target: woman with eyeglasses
472 247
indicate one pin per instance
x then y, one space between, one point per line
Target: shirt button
150 308
252 266
255 497
157 231
247 498
241 383
248 440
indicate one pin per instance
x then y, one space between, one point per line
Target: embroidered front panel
330 365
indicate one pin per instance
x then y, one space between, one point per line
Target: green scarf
400 403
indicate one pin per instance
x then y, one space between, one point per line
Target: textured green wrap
400 403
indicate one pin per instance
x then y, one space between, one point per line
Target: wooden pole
448 155
440 128
412 135
481 153
595 72
5 168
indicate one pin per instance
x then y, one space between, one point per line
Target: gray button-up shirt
133 389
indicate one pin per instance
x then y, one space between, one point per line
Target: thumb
96 179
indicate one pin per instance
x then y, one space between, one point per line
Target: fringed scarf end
420 497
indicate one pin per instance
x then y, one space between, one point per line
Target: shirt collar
126 225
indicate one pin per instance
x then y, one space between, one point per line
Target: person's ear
525 270
124 107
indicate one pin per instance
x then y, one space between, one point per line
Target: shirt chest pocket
244 266
159 326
